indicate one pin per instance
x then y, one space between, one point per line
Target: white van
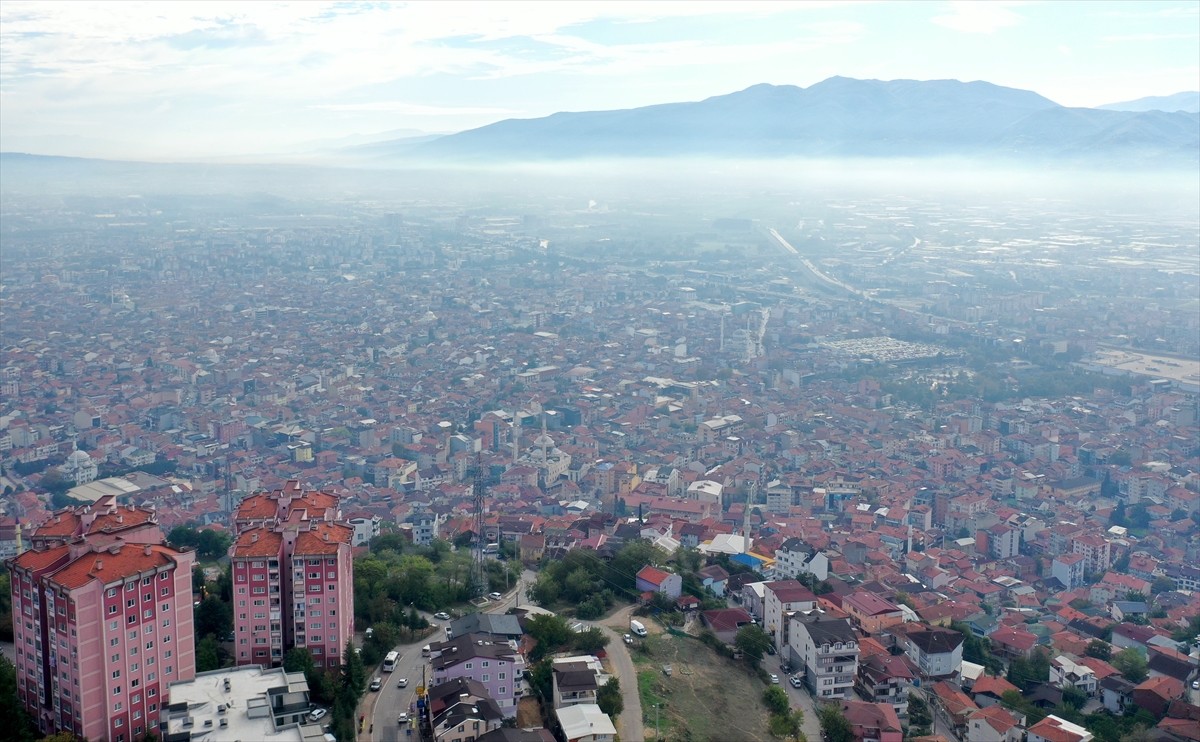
637 627
425 651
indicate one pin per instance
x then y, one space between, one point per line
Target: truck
637 627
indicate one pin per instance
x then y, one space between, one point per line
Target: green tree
775 699
208 654
589 641
213 616
18 725
787 725
1098 649
834 727
353 676
6 624
1131 664
919 715
752 641
550 632
609 698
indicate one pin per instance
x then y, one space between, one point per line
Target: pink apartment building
293 577
102 622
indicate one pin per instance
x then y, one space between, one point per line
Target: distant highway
812 269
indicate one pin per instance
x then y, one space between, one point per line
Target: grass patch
707 696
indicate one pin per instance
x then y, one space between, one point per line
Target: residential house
574 683
1010 642
654 580
794 557
1054 729
585 722
995 724
936 652
958 705
1068 672
988 690
782 599
871 613
714 578
872 722
724 623
1116 693
827 648
1156 694
495 665
462 710
886 678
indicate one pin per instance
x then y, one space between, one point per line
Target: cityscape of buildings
937 431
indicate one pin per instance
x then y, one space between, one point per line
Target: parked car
403 683
442 616
628 639
774 679
796 681
317 714
495 596
403 718
376 683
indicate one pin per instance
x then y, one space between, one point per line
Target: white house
794 558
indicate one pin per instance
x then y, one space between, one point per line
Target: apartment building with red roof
101 627
293 577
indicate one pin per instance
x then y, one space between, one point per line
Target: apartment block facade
293 577
102 624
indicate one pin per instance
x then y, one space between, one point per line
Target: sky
193 80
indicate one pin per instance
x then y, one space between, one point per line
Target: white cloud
973 16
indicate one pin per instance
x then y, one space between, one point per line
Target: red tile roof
257 542
324 538
653 575
108 567
35 559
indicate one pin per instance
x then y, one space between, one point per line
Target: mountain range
839 117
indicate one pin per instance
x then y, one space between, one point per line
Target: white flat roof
246 708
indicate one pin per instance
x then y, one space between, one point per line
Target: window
112 593
112 609
134 683
486 677
114 642
152 693
503 691
118 722
117 692
162 575
486 663
166 591
150 644
116 674
130 586
166 622
502 676
131 619
169 670
167 639
137 714
332 587
166 607
150 676
116 658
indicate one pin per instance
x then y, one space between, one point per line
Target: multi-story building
101 626
794 557
781 600
293 577
498 666
240 703
827 648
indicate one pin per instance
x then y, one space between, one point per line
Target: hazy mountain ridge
1188 102
839 117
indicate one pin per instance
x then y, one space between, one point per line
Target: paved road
629 721
811 726
383 707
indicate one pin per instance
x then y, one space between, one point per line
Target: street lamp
657 706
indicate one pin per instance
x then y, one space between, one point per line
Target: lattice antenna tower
478 568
